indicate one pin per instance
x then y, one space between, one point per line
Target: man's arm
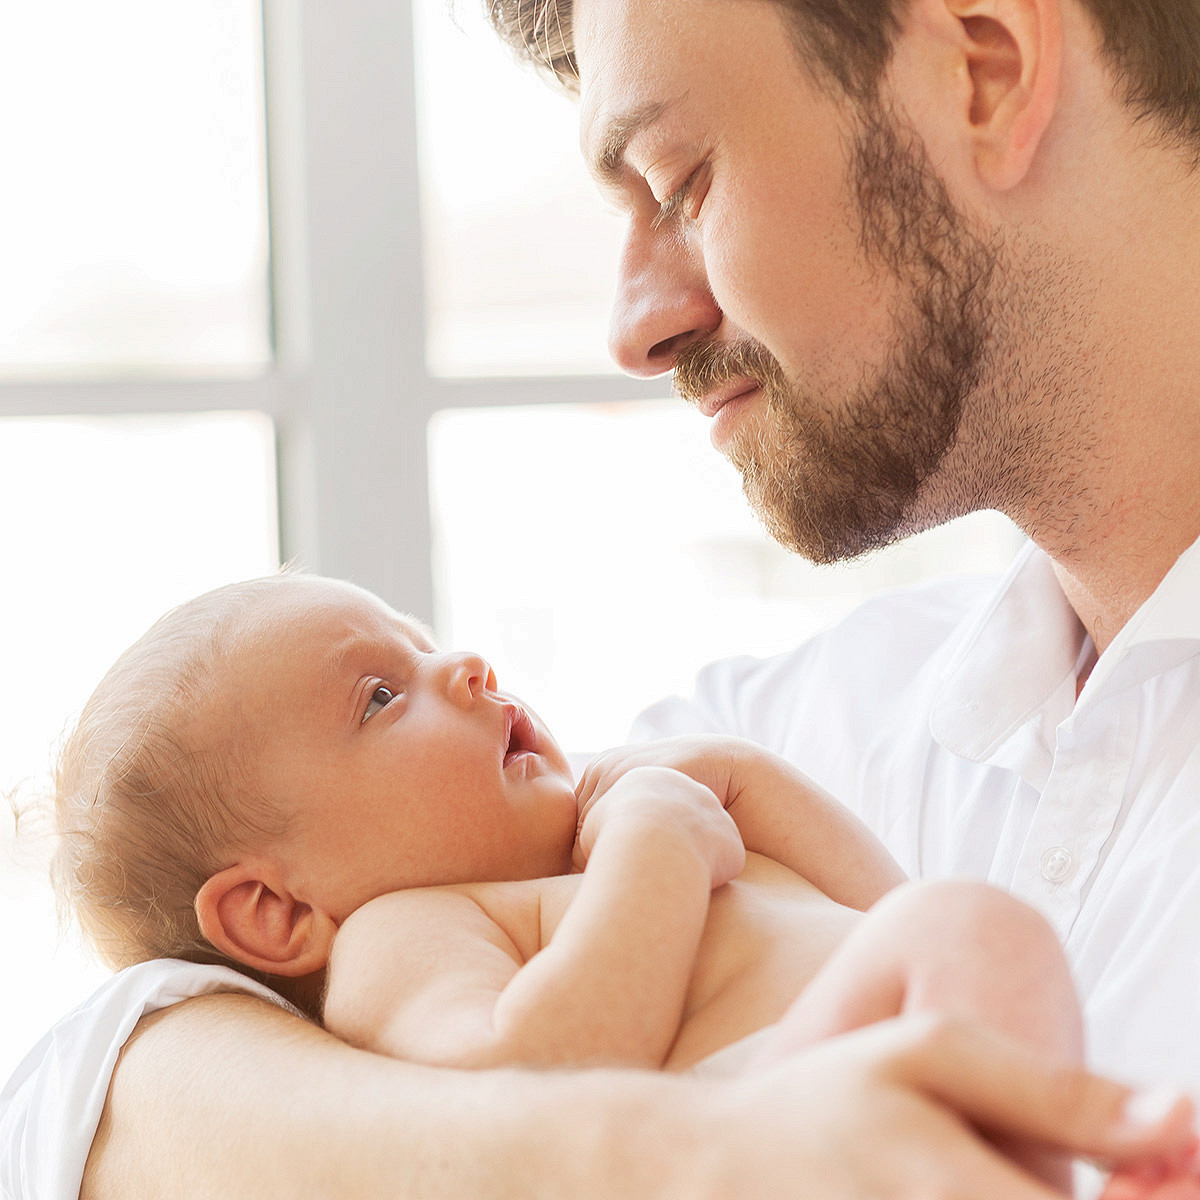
780 812
230 1096
428 975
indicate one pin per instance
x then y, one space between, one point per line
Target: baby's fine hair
145 804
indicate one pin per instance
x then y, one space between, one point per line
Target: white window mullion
354 478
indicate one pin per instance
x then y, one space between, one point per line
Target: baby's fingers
1135 1186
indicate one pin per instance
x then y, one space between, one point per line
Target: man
865 269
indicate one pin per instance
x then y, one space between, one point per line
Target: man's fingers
982 1173
1005 1087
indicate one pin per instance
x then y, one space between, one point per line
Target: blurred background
292 280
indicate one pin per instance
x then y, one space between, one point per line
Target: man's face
795 261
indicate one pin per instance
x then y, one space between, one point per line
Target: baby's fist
661 799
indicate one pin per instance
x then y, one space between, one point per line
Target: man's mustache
707 365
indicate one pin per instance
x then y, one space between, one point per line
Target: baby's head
273 754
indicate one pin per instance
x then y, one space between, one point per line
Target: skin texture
836 467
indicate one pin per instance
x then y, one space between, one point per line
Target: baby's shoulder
529 910
525 911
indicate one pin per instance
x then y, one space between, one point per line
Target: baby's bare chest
767 935
768 932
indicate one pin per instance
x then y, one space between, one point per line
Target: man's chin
821 519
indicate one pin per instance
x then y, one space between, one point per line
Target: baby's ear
246 912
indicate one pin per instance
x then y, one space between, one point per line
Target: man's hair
143 810
1151 46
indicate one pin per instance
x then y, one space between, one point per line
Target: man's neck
1127 505
1106 597
1118 499
1132 508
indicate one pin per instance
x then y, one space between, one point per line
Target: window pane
520 253
133 226
120 519
624 558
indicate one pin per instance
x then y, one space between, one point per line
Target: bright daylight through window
133 232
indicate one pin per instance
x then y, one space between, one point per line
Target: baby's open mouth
522 739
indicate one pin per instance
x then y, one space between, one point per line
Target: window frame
348 388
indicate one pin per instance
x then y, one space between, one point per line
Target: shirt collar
1009 661
1011 678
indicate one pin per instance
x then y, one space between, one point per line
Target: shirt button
1057 864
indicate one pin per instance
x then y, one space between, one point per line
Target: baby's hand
1172 1177
1154 1183
709 759
660 798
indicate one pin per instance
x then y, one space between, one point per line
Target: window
520 255
133 224
137 459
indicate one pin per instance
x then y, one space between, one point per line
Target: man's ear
1013 56
246 912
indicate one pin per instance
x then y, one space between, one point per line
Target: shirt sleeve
51 1106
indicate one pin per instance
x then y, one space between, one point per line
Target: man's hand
661 798
903 1109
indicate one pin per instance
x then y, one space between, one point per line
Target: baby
287 776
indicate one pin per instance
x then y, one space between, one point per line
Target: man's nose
468 676
663 302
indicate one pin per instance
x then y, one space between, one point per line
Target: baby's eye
380 697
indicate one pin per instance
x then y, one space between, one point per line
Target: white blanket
51 1106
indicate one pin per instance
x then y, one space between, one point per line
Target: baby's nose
470 675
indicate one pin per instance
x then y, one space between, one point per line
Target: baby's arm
779 811
428 975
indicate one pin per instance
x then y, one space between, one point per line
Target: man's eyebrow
619 131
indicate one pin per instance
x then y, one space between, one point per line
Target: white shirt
946 717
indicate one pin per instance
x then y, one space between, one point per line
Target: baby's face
398 765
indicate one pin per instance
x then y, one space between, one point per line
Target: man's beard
836 480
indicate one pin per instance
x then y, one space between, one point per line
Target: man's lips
712 402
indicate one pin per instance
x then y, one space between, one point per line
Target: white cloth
946 716
50 1107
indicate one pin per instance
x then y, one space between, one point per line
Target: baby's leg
961 948
964 949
